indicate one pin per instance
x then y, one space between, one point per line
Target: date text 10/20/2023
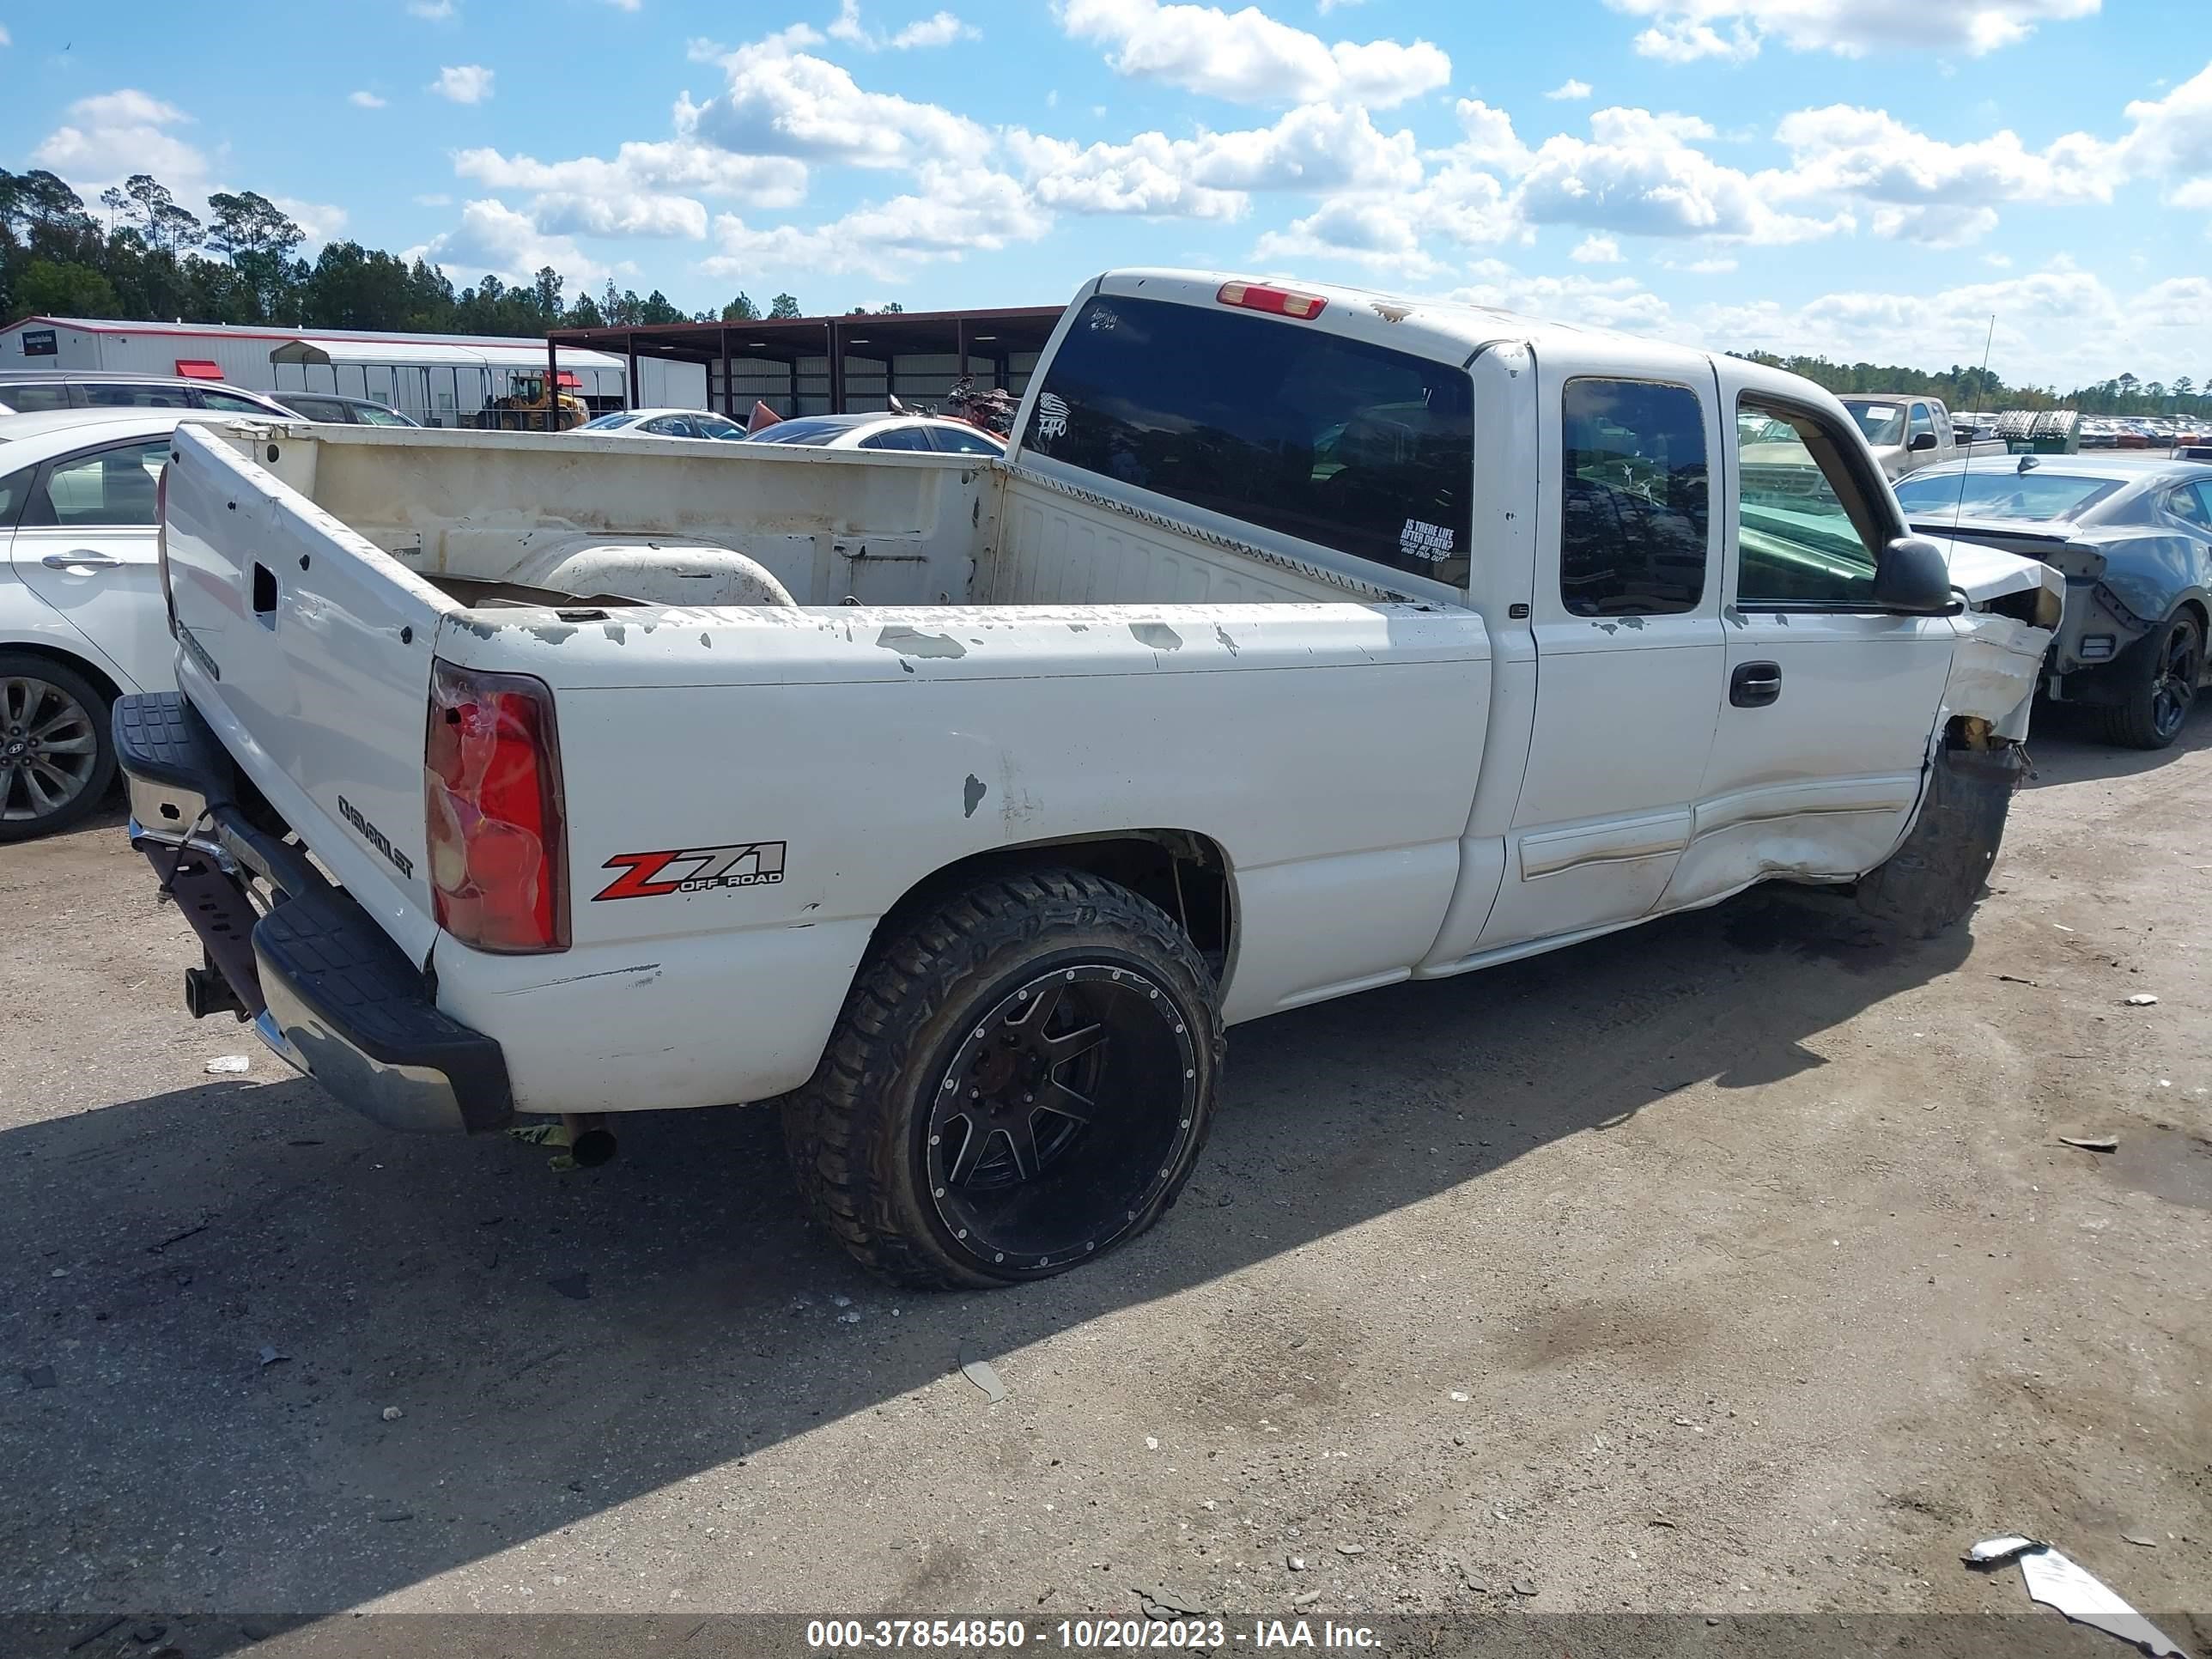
1085 1635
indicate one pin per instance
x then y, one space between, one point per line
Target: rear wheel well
1184 873
102 681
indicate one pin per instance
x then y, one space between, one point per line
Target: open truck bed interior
501 520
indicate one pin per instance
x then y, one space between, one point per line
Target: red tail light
491 788
161 541
1276 301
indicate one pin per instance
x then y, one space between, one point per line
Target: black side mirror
1922 441
1914 577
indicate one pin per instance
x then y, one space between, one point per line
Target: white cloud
1640 172
956 211
645 191
1374 234
1319 149
1595 249
940 29
626 5
1734 29
464 83
1570 92
364 100
438 11
1325 7
113 135
2059 326
1248 57
1620 302
492 237
322 220
2171 137
1703 267
783 101
1946 227
6 39
1843 152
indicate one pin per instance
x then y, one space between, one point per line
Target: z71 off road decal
693 870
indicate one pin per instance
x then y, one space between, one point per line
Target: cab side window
1634 508
1809 529
1921 422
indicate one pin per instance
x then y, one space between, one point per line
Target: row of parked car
927 434
2149 432
34 392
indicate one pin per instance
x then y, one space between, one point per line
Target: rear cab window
1349 445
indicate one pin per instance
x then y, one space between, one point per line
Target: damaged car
2133 538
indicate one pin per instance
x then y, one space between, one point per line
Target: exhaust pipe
591 1143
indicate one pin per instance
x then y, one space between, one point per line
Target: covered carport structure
439 382
830 365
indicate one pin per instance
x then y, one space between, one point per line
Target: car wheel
57 757
2160 685
1022 1079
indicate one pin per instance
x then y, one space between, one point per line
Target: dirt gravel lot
1729 1265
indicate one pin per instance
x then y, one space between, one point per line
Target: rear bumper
326 987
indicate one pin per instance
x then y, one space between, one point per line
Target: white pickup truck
1303 641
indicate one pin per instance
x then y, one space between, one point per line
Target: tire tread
841 1129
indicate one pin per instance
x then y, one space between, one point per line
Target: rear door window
315 409
897 437
109 488
954 441
1634 500
15 491
111 394
34 399
1348 445
231 403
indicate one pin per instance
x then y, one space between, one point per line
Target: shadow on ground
560 1343
2068 747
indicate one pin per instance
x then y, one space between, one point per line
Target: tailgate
307 650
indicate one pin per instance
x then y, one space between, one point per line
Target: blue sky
1868 178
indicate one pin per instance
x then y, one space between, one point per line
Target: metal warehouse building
441 380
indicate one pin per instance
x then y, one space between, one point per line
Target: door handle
1755 684
82 559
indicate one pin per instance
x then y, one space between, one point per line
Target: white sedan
82 619
927 433
666 424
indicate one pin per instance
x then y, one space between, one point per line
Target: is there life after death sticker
1421 540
